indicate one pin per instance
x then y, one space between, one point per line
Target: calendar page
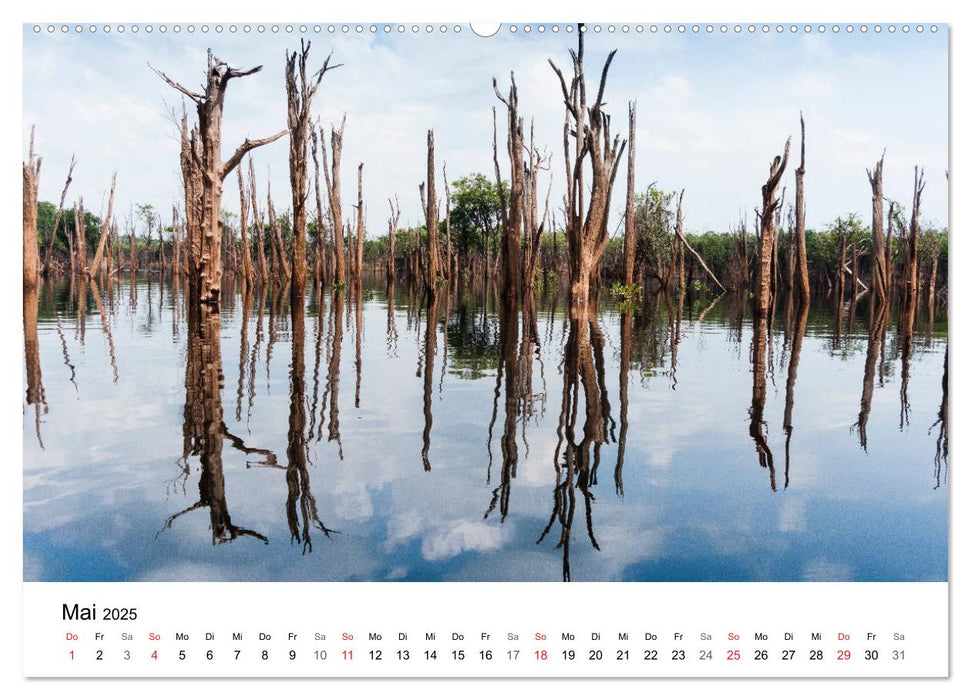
515 350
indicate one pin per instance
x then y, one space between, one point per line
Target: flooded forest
519 387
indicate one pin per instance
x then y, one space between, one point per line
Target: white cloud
712 110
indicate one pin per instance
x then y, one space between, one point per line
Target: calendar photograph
485 303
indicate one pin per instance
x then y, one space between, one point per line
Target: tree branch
194 96
245 148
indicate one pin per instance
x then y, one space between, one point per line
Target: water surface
359 439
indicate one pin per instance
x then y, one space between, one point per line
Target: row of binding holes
513 29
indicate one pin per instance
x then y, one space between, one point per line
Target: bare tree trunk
243 225
177 244
392 235
533 225
878 254
80 242
132 251
586 227
259 235
359 255
105 224
161 245
109 255
841 271
333 181
512 208
31 184
431 219
802 259
70 244
449 272
319 257
630 229
910 267
209 106
280 253
768 232
300 94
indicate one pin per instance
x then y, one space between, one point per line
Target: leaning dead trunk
49 261
99 251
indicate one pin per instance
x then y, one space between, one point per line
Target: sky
713 110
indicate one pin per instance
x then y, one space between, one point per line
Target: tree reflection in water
576 461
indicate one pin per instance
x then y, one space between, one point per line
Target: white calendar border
831 11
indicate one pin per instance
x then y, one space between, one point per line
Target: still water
362 440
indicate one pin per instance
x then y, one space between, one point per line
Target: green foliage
476 211
626 293
47 212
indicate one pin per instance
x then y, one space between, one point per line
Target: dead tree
209 107
333 181
892 216
259 234
105 224
878 254
448 226
282 271
630 228
243 225
31 183
80 244
300 94
132 251
161 246
392 235
431 219
49 259
533 224
177 243
359 254
911 290
589 126
841 266
319 262
191 164
512 208
802 259
767 234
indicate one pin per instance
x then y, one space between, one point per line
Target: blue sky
712 111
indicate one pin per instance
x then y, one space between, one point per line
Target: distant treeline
476 234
